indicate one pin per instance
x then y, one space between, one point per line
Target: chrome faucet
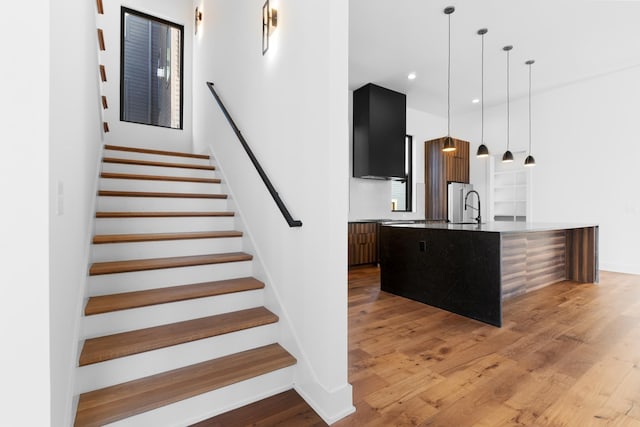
478 218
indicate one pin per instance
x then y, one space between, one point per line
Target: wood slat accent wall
531 261
434 180
440 168
363 245
457 162
582 254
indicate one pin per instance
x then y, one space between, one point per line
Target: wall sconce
269 24
198 19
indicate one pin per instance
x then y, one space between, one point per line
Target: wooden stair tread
111 267
152 151
154 237
286 408
152 163
161 214
110 347
112 175
99 407
128 300
110 193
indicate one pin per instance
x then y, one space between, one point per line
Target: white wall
24 307
75 142
124 133
291 106
585 141
371 198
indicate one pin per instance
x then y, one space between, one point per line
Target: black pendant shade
449 145
507 157
529 161
483 151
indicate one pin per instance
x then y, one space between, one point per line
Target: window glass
151 70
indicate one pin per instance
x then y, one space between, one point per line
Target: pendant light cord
449 83
482 93
529 109
508 128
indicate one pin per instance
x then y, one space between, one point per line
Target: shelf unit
510 190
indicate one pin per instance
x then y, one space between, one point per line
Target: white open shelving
510 190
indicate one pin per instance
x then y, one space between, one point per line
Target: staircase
174 330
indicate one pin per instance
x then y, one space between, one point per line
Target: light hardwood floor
567 355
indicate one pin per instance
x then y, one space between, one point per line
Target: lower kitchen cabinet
363 243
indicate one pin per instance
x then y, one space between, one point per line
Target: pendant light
483 151
507 157
449 145
530 161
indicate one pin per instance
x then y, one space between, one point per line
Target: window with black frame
151 69
401 188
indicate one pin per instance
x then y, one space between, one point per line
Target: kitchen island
470 269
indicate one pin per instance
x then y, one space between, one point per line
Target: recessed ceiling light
411 76
475 100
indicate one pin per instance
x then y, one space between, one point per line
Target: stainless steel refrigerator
456 192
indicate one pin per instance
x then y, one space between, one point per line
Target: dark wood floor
567 355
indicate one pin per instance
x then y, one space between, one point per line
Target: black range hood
379 130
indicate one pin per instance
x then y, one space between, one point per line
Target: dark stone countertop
495 227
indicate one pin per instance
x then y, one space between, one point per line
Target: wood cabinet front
363 243
440 168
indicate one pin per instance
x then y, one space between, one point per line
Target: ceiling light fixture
530 161
475 100
507 157
412 76
449 145
483 151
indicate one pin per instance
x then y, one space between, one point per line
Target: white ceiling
570 40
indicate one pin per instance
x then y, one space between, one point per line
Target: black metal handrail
285 212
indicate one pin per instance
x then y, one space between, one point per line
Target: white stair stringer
104 252
155 315
128 368
203 406
152 279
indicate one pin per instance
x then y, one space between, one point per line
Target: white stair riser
164 248
115 184
155 157
163 225
206 405
123 369
161 314
158 170
159 204
141 280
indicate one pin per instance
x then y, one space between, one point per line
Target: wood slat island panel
531 261
582 254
